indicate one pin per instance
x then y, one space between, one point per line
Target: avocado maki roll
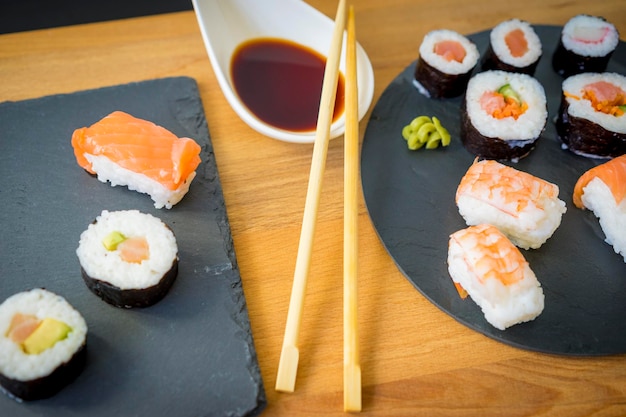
42 344
503 115
128 258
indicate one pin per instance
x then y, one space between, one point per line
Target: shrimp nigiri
486 265
125 150
602 190
524 207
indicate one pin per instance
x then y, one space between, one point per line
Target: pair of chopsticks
288 364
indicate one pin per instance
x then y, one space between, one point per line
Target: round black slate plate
410 199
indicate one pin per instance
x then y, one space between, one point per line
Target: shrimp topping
490 254
507 188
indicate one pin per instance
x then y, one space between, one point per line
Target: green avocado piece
45 336
507 91
113 239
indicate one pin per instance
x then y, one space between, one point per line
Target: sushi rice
109 171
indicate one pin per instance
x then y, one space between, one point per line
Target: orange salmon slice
134 250
450 50
612 173
139 146
516 42
22 326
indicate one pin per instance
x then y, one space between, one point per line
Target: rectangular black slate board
191 354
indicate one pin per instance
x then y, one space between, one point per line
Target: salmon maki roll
602 190
591 120
445 63
485 265
136 153
514 46
522 206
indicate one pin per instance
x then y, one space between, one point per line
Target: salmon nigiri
137 153
484 263
602 190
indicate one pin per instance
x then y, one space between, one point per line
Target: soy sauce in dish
280 81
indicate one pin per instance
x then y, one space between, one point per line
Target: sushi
136 153
602 190
446 60
42 344
503 115
513 46
485 265
586 45
128 258
591 120
525 208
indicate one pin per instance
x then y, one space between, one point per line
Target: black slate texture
191 354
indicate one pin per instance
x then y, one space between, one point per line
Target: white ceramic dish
227 23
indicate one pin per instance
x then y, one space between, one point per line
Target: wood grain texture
415 360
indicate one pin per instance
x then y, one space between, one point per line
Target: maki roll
446 60
525 208
602 190
42 344
483 263
586 45
503 115
128 258
591 120
513 46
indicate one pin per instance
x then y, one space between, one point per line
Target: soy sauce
281 82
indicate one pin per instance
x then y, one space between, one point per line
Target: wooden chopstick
351 366
288 364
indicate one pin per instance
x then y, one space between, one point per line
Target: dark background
23 15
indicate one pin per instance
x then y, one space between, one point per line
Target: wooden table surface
415 359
